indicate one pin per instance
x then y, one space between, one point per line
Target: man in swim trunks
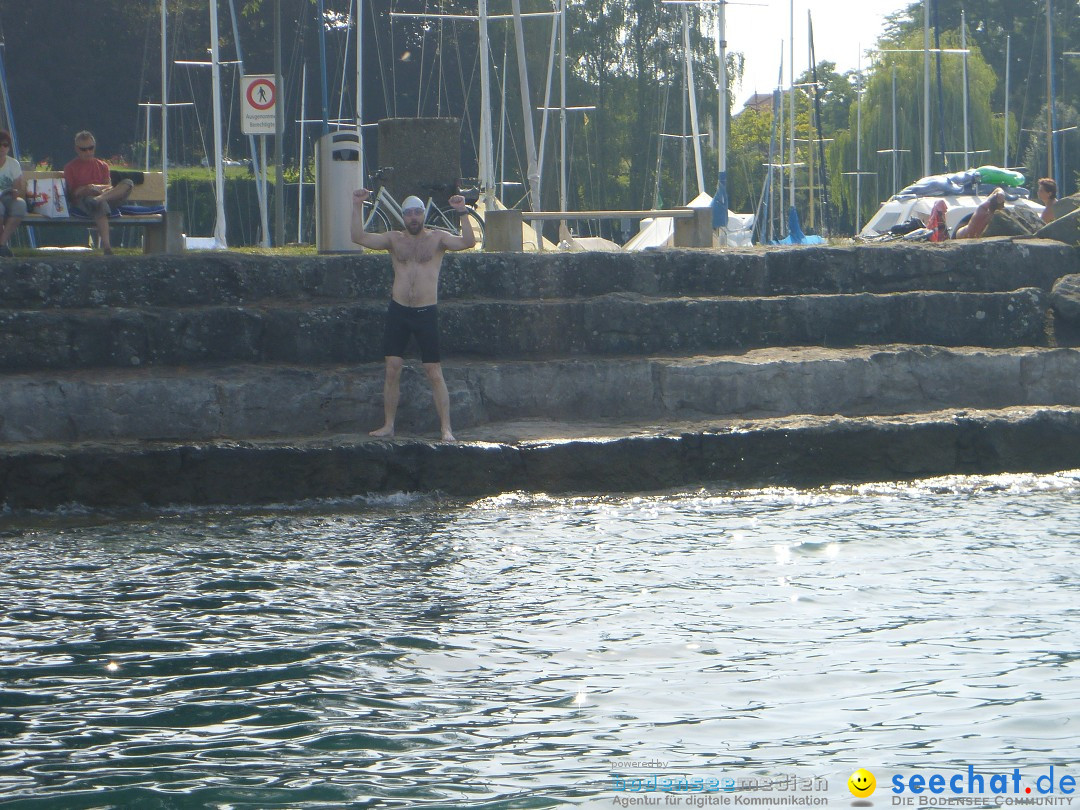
416 254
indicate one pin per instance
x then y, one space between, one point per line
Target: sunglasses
5 145
90 148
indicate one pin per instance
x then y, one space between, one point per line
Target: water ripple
503 653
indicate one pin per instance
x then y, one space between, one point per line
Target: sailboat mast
562 106
219 175
791 105
963 46
721 48
164 108
487 169
926 87
1005 141
691 92
1049 91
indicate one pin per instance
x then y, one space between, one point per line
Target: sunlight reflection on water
420 652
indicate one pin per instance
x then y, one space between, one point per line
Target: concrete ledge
246 402
220 278
807 451
609 325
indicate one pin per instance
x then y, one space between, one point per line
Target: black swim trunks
401 322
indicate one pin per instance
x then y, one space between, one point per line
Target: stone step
209 279
245 402
567 458
605 325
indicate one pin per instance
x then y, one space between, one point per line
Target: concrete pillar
168 237
502 231
696 231
424 152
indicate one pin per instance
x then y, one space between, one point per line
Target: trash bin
338 173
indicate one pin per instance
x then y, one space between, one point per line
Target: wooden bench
162 233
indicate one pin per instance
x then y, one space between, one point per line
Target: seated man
1047 196
12 192
90 188
982 216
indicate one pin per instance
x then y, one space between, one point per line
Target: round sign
260 94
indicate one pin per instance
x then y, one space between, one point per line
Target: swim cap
412 202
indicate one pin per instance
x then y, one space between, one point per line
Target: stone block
502 231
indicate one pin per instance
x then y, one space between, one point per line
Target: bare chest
416 250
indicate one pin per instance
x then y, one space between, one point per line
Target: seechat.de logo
862 783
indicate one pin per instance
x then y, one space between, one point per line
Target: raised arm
467 238
373 241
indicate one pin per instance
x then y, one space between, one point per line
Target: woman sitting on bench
12 193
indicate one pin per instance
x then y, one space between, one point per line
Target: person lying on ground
975 226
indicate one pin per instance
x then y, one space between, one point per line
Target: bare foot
447 436
385 432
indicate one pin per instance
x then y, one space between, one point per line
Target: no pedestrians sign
258 101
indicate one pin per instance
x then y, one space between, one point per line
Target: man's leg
101 222
110 196
118 193
391 395
441 397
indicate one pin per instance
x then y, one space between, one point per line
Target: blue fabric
135 210
720 203
795 232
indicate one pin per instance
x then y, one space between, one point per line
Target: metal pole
279 137
562 104
487 170
791 106
926 87
1008 65
300 185
691 92
1049 92
164 107
858 149
321 22
219 171
963 46
359 83
527 120
721 121
260 173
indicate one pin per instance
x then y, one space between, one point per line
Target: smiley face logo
862 783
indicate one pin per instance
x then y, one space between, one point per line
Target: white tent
660 232
898 210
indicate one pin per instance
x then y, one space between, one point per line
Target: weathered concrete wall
159 379
608 325
807 451
209 279
244 402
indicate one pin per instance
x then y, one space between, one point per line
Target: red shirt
82 172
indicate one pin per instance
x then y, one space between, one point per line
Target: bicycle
448 219
379 209
382 212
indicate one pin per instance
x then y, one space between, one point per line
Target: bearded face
414 220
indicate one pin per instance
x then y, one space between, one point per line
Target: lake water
527 652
